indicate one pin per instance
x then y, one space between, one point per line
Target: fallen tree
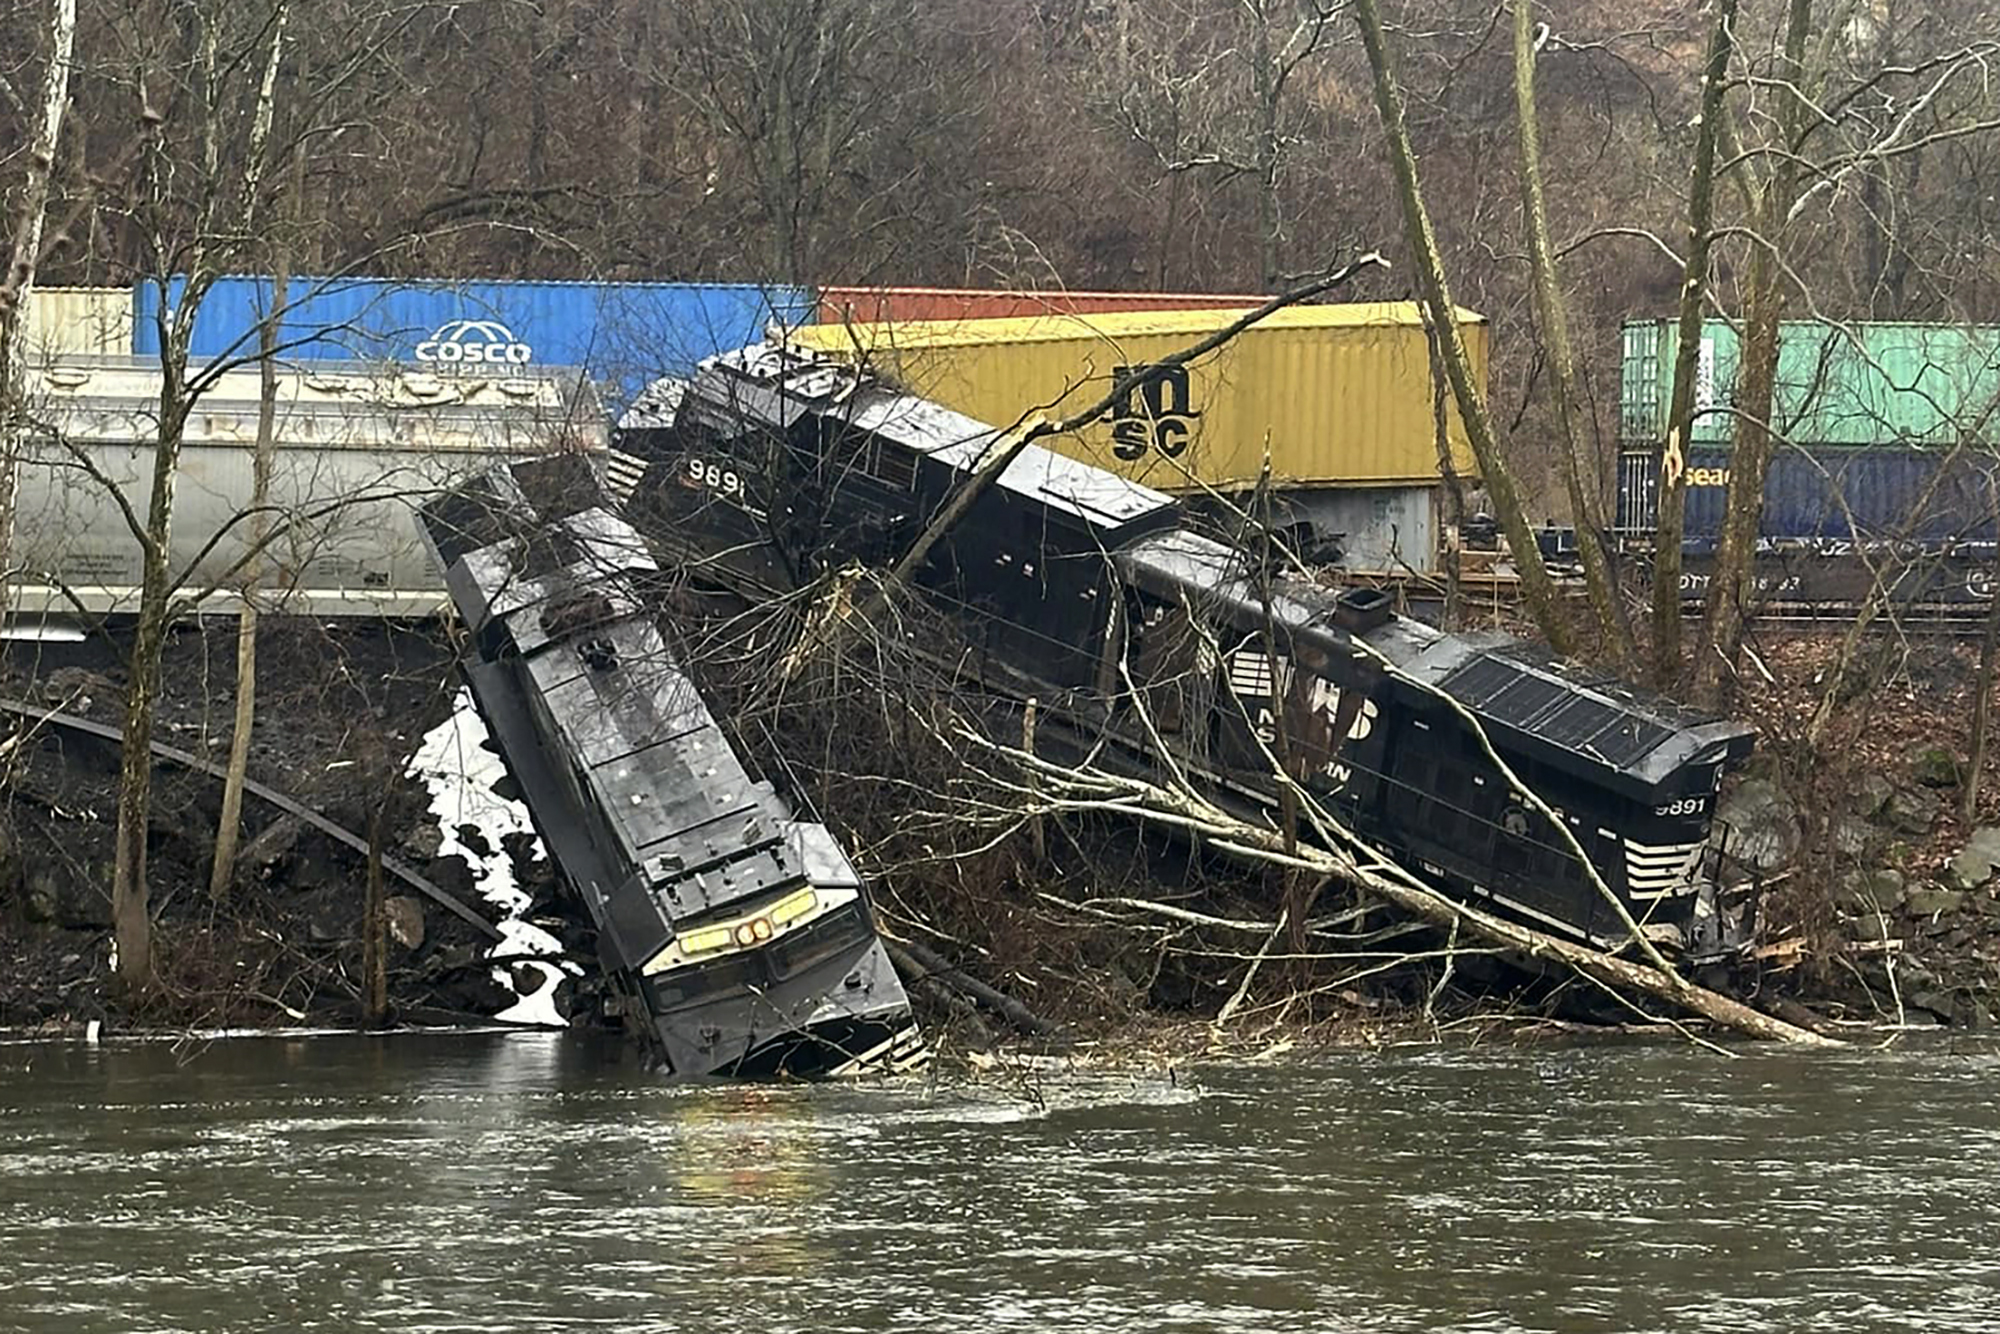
1046 789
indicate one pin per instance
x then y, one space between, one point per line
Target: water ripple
537 1183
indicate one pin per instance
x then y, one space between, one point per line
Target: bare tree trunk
1982 706
1454 485
1671 473
1268 90
18 285
1756 377
1537 589
131 913
374 945
1586 491
221 218
229 829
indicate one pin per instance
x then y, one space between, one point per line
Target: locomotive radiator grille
1662 870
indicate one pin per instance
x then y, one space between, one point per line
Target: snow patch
456 768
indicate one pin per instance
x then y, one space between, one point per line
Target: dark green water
535 1183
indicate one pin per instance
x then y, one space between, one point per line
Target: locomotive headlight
746 934
788 910
701 942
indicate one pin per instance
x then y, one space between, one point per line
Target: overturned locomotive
739 937
1093 594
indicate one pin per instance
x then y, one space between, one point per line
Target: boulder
1762 824
1928 900
1871 796
1937 1003
472 991
1869 927
1975 865
273 845
1911 811
1869 892
1850 836
68 896
1937 767
75 690
424 841
406 921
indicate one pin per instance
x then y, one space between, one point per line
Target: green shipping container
1838 386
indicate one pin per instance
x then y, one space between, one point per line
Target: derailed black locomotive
740 937
1088 591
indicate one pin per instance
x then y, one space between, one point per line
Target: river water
535 1183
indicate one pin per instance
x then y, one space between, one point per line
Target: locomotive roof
1563 713
777 386
692 830
685 813
1564 709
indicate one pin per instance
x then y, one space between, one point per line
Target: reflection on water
538 1182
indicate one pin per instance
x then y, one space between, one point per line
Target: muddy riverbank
1877 911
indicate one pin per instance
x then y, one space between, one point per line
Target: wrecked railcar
740 938
1091 593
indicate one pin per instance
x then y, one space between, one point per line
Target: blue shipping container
624 334
1931 496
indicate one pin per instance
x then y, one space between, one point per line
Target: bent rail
271 796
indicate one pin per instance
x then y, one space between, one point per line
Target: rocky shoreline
1880 907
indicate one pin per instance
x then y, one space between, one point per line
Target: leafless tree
1537 589
18 283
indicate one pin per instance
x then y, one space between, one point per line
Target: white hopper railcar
359 447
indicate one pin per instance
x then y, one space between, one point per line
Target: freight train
1093 594
1888 467
739 936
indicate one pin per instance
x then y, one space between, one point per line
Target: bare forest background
1559 167
1166 144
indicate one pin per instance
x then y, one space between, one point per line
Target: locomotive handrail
338 833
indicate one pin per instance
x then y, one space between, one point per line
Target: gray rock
1871 795
1934 1002
1976 864
273 844
1913 973
69 896
1870 891
1927 900
1937 767
406 921
1911 811
1850 836
424 840
75 690
1869 926
1762 824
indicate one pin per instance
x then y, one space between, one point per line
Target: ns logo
1156 412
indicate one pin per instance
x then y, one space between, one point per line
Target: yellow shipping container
1341 395
79 321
